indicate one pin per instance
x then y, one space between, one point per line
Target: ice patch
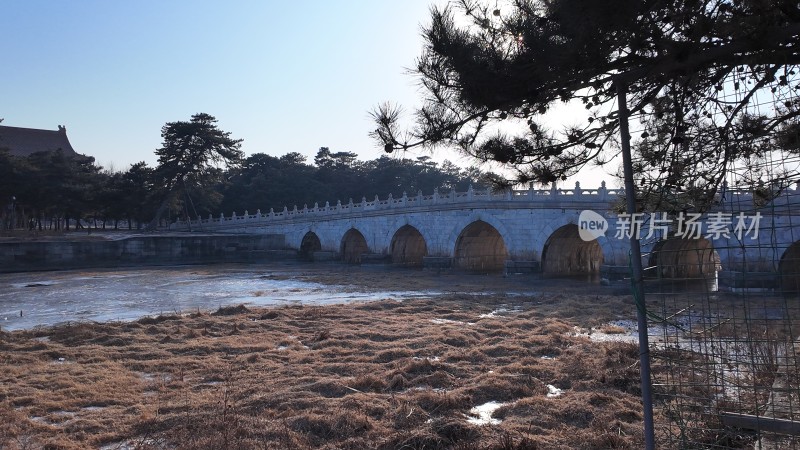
424 388
500 311
130 445
129 294
93 408
553 391
482 414
450 322
599 336
61 417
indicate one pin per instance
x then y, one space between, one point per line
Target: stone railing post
603 194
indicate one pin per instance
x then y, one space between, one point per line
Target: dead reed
385 375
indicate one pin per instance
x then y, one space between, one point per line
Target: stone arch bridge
743 241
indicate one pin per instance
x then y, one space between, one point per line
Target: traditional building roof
25 141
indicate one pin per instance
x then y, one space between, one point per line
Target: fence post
636 267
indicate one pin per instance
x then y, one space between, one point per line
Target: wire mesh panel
717 185
724 316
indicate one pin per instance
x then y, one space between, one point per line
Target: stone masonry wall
21 256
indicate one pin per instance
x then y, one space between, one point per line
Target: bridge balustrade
540 197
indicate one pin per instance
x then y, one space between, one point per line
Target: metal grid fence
724 342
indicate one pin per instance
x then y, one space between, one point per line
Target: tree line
202 171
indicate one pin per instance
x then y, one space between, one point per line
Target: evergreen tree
693 70
190 158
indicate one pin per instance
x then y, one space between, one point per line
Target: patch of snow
93 408
598 336
482 414
66 415
147 376
129 445
500 311
553 391
450 322
424 388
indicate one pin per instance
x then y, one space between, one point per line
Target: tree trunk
153 225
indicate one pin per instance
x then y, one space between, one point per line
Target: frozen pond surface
47 298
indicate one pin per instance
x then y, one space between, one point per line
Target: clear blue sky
288 76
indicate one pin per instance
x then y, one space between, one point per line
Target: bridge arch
566 254
789 270
480 247
309 244
408 247
684 258
463 222
353 246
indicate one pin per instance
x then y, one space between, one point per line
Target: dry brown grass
385 374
